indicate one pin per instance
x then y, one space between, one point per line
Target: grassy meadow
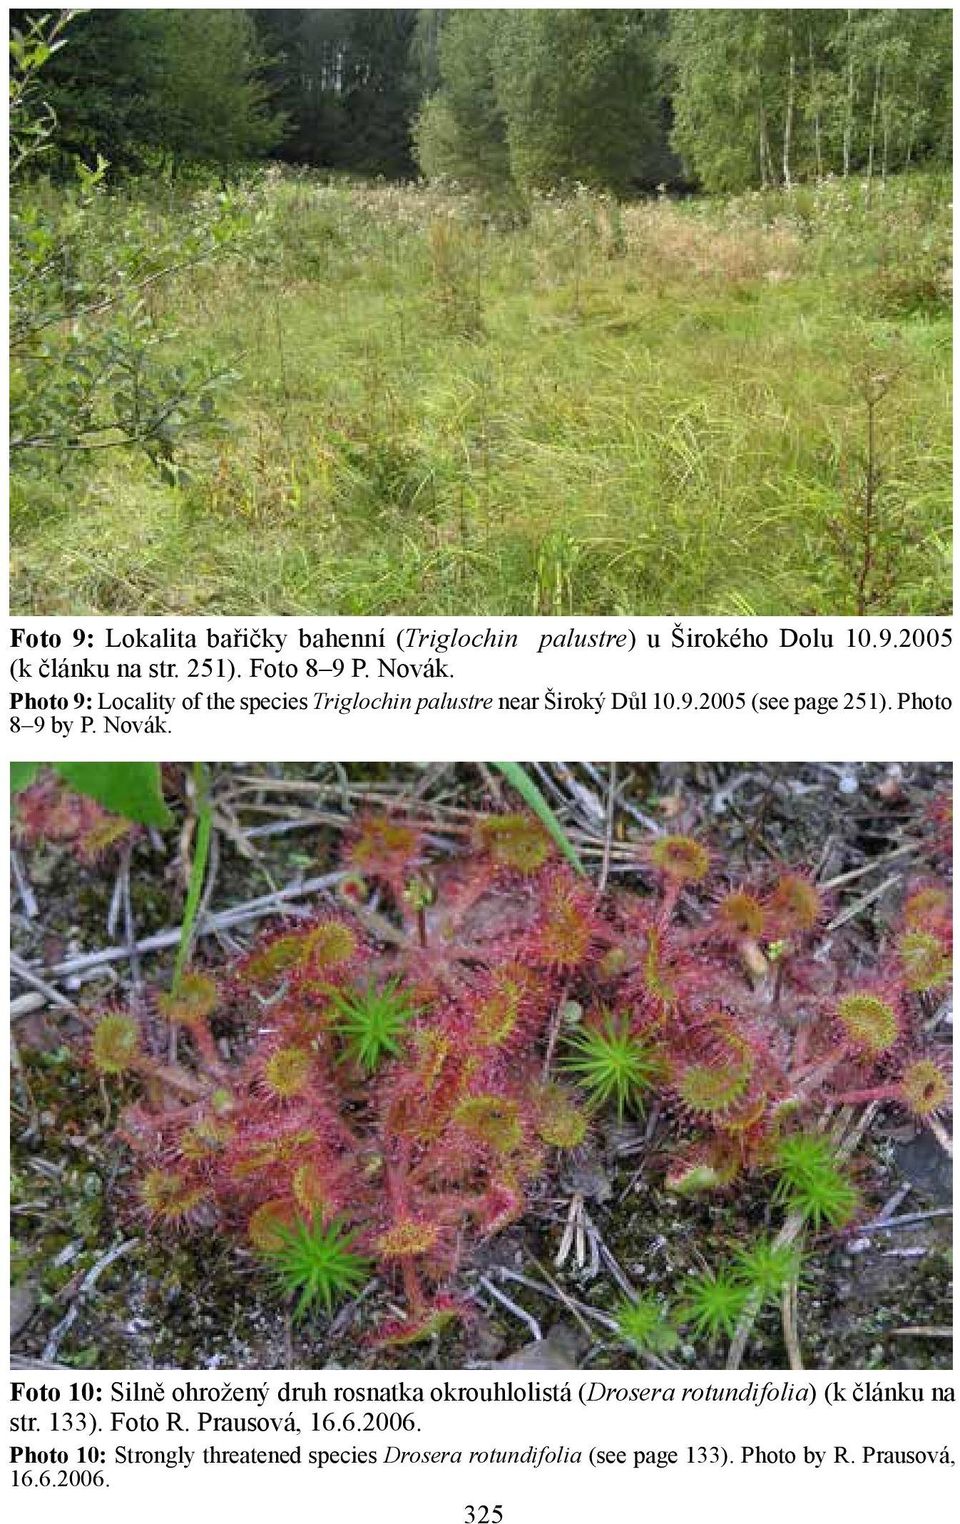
662 407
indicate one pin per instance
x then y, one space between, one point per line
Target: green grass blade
198 871
518 777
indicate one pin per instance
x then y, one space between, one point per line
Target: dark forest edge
507 101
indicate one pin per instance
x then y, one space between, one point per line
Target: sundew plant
373 1092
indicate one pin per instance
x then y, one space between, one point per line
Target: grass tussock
574 408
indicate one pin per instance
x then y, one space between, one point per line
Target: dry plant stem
921 1332
554 1033
52 1346
563 1298
116 905
942 1136
20 1073
869 492
890 1206
525 1280
518 1312
613 1265
129 925
608 833
846 1139
853 911
252 910
456 820
791 1329
888 1224
53 995
908 848
27 898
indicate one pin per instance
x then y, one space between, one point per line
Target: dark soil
869 1299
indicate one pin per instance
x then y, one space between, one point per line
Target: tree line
523 100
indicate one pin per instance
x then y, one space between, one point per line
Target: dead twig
608 832
888 1224
56 1335
921 1331
252 910
940 1133
53 995
791 1326
512 1307
25 894
853 911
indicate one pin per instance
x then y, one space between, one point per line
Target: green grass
441 412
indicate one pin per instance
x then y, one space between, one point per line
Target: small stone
488 1341
23 1302
559 1351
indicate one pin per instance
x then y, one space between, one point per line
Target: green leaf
520 779
22 775
198 871
130 789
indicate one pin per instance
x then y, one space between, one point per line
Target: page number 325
483 1513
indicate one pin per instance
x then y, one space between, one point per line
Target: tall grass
583 409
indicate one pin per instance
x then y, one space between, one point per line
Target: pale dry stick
789 1233
33 1111
369 793
824 857
868 899
908 1220
794 1224
492 784
25 1005
116 904
52 1346
647 821
848 1133
876 862
578 802
553 1296
129 927
608 831
573 1231
585 841
586 802
348 1311
286 827
890 1205
343 783
562 1297
518 1312
611 1262
921 1332
51 994
943 1013
791 1326
940 1133
224 818
22 884
251 910
553 1033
